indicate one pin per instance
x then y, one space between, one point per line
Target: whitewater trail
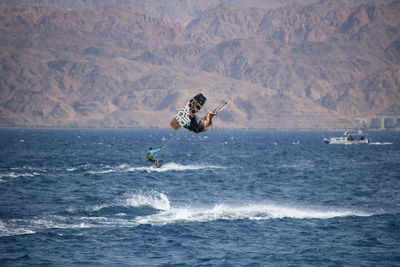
164 168
163 213
378 143
238 212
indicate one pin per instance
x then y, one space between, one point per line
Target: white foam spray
8 230
151 198
380 144
167 214
150 168
232 212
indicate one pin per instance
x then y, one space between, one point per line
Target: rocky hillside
311 66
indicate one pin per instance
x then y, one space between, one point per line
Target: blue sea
221 198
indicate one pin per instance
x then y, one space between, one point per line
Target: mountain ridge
311 66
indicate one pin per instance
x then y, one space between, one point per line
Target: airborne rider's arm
152 152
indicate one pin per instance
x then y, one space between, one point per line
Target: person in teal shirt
150 156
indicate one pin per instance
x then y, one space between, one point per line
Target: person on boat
200 126
150 156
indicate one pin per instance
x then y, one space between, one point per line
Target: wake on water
164 168
104 169
255 211
378 143
161 212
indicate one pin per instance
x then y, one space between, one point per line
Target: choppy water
222 198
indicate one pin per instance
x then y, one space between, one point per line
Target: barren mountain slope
296 67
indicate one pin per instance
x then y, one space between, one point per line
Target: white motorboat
349 138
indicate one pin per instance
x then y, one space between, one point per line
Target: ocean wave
38 224
25 171
119 213
10 230
164 214
16 175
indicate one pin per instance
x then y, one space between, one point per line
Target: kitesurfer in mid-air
200 126
150 156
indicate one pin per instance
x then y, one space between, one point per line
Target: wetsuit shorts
195 126
200 127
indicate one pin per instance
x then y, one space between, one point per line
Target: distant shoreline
213 129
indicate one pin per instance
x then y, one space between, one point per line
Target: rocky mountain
299 66
179 10
182 11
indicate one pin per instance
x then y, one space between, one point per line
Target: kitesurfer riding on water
200 126
150 156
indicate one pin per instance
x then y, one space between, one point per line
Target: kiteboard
189 110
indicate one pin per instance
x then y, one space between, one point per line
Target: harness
193 125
